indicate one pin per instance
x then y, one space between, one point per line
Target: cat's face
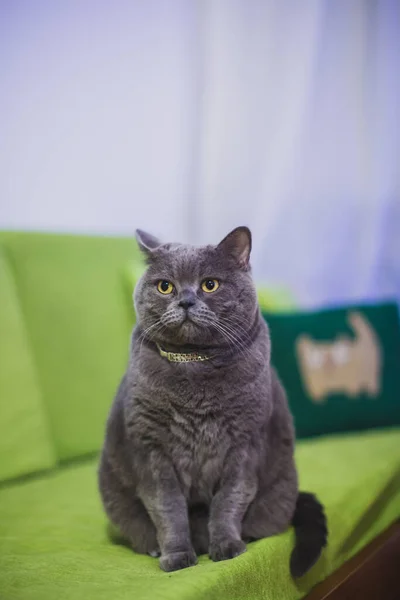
197 296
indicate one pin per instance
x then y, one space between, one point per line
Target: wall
97 115
189 118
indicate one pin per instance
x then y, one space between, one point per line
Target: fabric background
189 118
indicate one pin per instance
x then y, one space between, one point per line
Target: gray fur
198 457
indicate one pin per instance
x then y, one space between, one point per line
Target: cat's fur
198 457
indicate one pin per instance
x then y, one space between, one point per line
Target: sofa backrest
25 440
77 316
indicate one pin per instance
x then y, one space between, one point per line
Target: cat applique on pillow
345 365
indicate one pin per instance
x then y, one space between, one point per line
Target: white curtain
301 139
98 114
189 118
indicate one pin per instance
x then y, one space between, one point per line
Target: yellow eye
210 285
165 287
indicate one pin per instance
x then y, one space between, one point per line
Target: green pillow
340 367
25 442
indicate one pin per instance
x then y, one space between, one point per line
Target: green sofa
65 321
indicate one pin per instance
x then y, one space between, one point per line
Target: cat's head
200 296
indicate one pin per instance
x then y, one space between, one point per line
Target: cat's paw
226 549
178 560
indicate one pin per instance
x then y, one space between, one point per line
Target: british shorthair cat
198 453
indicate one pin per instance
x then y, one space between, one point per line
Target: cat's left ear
147 242
237 244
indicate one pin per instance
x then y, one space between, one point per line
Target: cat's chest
198 446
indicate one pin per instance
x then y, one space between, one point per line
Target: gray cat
198 455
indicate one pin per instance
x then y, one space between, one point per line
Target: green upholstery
65 320
275 299
25 444
78 319
55 546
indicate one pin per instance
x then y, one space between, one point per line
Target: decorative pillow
340 367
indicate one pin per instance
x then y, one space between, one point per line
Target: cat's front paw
226 549
178 560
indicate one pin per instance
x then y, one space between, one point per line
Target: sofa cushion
77 314
340 367
56 546
25 443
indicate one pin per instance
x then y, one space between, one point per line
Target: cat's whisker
232 345
146 332
233 322
239 342
238 339
210 322
231 328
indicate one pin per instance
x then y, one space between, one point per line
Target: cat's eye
210 285
165 287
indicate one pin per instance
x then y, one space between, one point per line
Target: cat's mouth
186 327
187 331
188 320
188 323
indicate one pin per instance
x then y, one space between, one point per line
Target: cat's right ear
147 242
237 244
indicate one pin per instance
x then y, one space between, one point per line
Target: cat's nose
186 303
187 299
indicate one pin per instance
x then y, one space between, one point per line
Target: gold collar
182 358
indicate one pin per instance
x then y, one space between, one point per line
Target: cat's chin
187 333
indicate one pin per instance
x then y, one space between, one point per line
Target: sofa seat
54 543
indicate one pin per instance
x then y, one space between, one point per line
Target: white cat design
343 366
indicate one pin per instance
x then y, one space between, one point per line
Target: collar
179 357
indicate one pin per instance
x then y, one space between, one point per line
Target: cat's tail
311 532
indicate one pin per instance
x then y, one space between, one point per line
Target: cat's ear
147 242
237 244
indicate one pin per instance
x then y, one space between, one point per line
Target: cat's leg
272 509
229 504
160 492
127 512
